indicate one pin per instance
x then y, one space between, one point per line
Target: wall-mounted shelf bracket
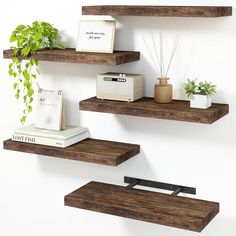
153 184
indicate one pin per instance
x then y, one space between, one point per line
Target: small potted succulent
200 94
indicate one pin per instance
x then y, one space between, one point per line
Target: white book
50 141
68 132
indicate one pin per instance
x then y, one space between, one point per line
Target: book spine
50 141
38 140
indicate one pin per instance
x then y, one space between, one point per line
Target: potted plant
27 40
200 94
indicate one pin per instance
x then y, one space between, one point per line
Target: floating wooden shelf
146 107
175 211
169 11
90 150
69 55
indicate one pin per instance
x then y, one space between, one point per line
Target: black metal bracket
153 184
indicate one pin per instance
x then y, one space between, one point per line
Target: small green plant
28 39
202 88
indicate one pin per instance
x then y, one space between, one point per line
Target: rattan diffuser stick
163 90
159 63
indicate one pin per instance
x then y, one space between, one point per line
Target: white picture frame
50 110
96 36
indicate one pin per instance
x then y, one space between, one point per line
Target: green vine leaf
30 92
10 72
15 85
25 51
17 95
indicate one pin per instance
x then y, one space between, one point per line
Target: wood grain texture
69 55
175 211
163 11
146 107
90 150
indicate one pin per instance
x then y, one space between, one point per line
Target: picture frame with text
96 36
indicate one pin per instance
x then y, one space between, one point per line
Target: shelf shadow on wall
90 171
218 227
65 70
215 134
193 24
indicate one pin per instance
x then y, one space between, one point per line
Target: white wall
203 156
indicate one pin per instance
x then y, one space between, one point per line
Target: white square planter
200 101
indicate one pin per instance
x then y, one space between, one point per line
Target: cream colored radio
120 86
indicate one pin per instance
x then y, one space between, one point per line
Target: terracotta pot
163 91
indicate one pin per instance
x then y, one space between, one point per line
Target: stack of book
64 138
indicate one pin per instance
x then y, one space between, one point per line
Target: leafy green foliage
190 87
27 40
206 88
203 88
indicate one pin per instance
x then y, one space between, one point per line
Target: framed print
96 36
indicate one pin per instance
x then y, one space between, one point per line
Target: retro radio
122 87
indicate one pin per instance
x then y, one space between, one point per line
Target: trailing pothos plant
28 39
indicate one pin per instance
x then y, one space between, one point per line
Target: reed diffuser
162 90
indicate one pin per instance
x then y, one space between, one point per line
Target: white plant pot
200 101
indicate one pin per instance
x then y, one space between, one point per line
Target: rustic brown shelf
90 150
146 107
170 210
69 55
163 11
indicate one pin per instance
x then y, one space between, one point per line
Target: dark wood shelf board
163 11
90 150
69 55
175 211
146 107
